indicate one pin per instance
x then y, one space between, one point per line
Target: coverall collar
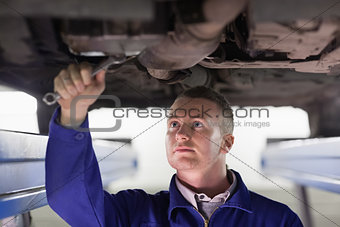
240 199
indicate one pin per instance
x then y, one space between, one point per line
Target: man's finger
100 81
76 77
67 80
59 87
85 72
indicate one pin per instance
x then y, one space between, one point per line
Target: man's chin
182 164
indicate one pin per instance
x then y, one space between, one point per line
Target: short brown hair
208 93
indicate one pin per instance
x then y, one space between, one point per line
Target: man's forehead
187 103
193 108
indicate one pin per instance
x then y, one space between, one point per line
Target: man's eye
197 124
174 124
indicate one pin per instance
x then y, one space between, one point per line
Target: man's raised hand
75 81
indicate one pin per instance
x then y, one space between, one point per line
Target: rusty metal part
199 77
190 43
314 49
109 37
117 9
100 37
169 77
309 40
109 44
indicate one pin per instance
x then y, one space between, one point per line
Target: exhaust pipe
190 43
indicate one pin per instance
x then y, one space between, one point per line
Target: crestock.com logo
73 111
202 112
242 117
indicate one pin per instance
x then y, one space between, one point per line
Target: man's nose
183 133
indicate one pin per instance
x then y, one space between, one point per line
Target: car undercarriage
256 53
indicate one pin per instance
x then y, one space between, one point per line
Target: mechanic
203 192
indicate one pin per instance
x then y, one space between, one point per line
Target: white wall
18 112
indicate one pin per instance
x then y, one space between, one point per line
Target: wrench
51 98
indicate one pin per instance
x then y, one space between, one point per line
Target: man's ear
228 141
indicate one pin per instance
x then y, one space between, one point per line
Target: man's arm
73 183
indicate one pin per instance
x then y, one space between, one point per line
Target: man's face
193 139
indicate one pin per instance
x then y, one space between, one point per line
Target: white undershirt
189 195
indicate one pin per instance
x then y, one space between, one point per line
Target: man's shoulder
266 206
261 202
258 202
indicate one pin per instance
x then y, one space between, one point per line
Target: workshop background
18 112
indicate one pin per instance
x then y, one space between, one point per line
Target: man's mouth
184 149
